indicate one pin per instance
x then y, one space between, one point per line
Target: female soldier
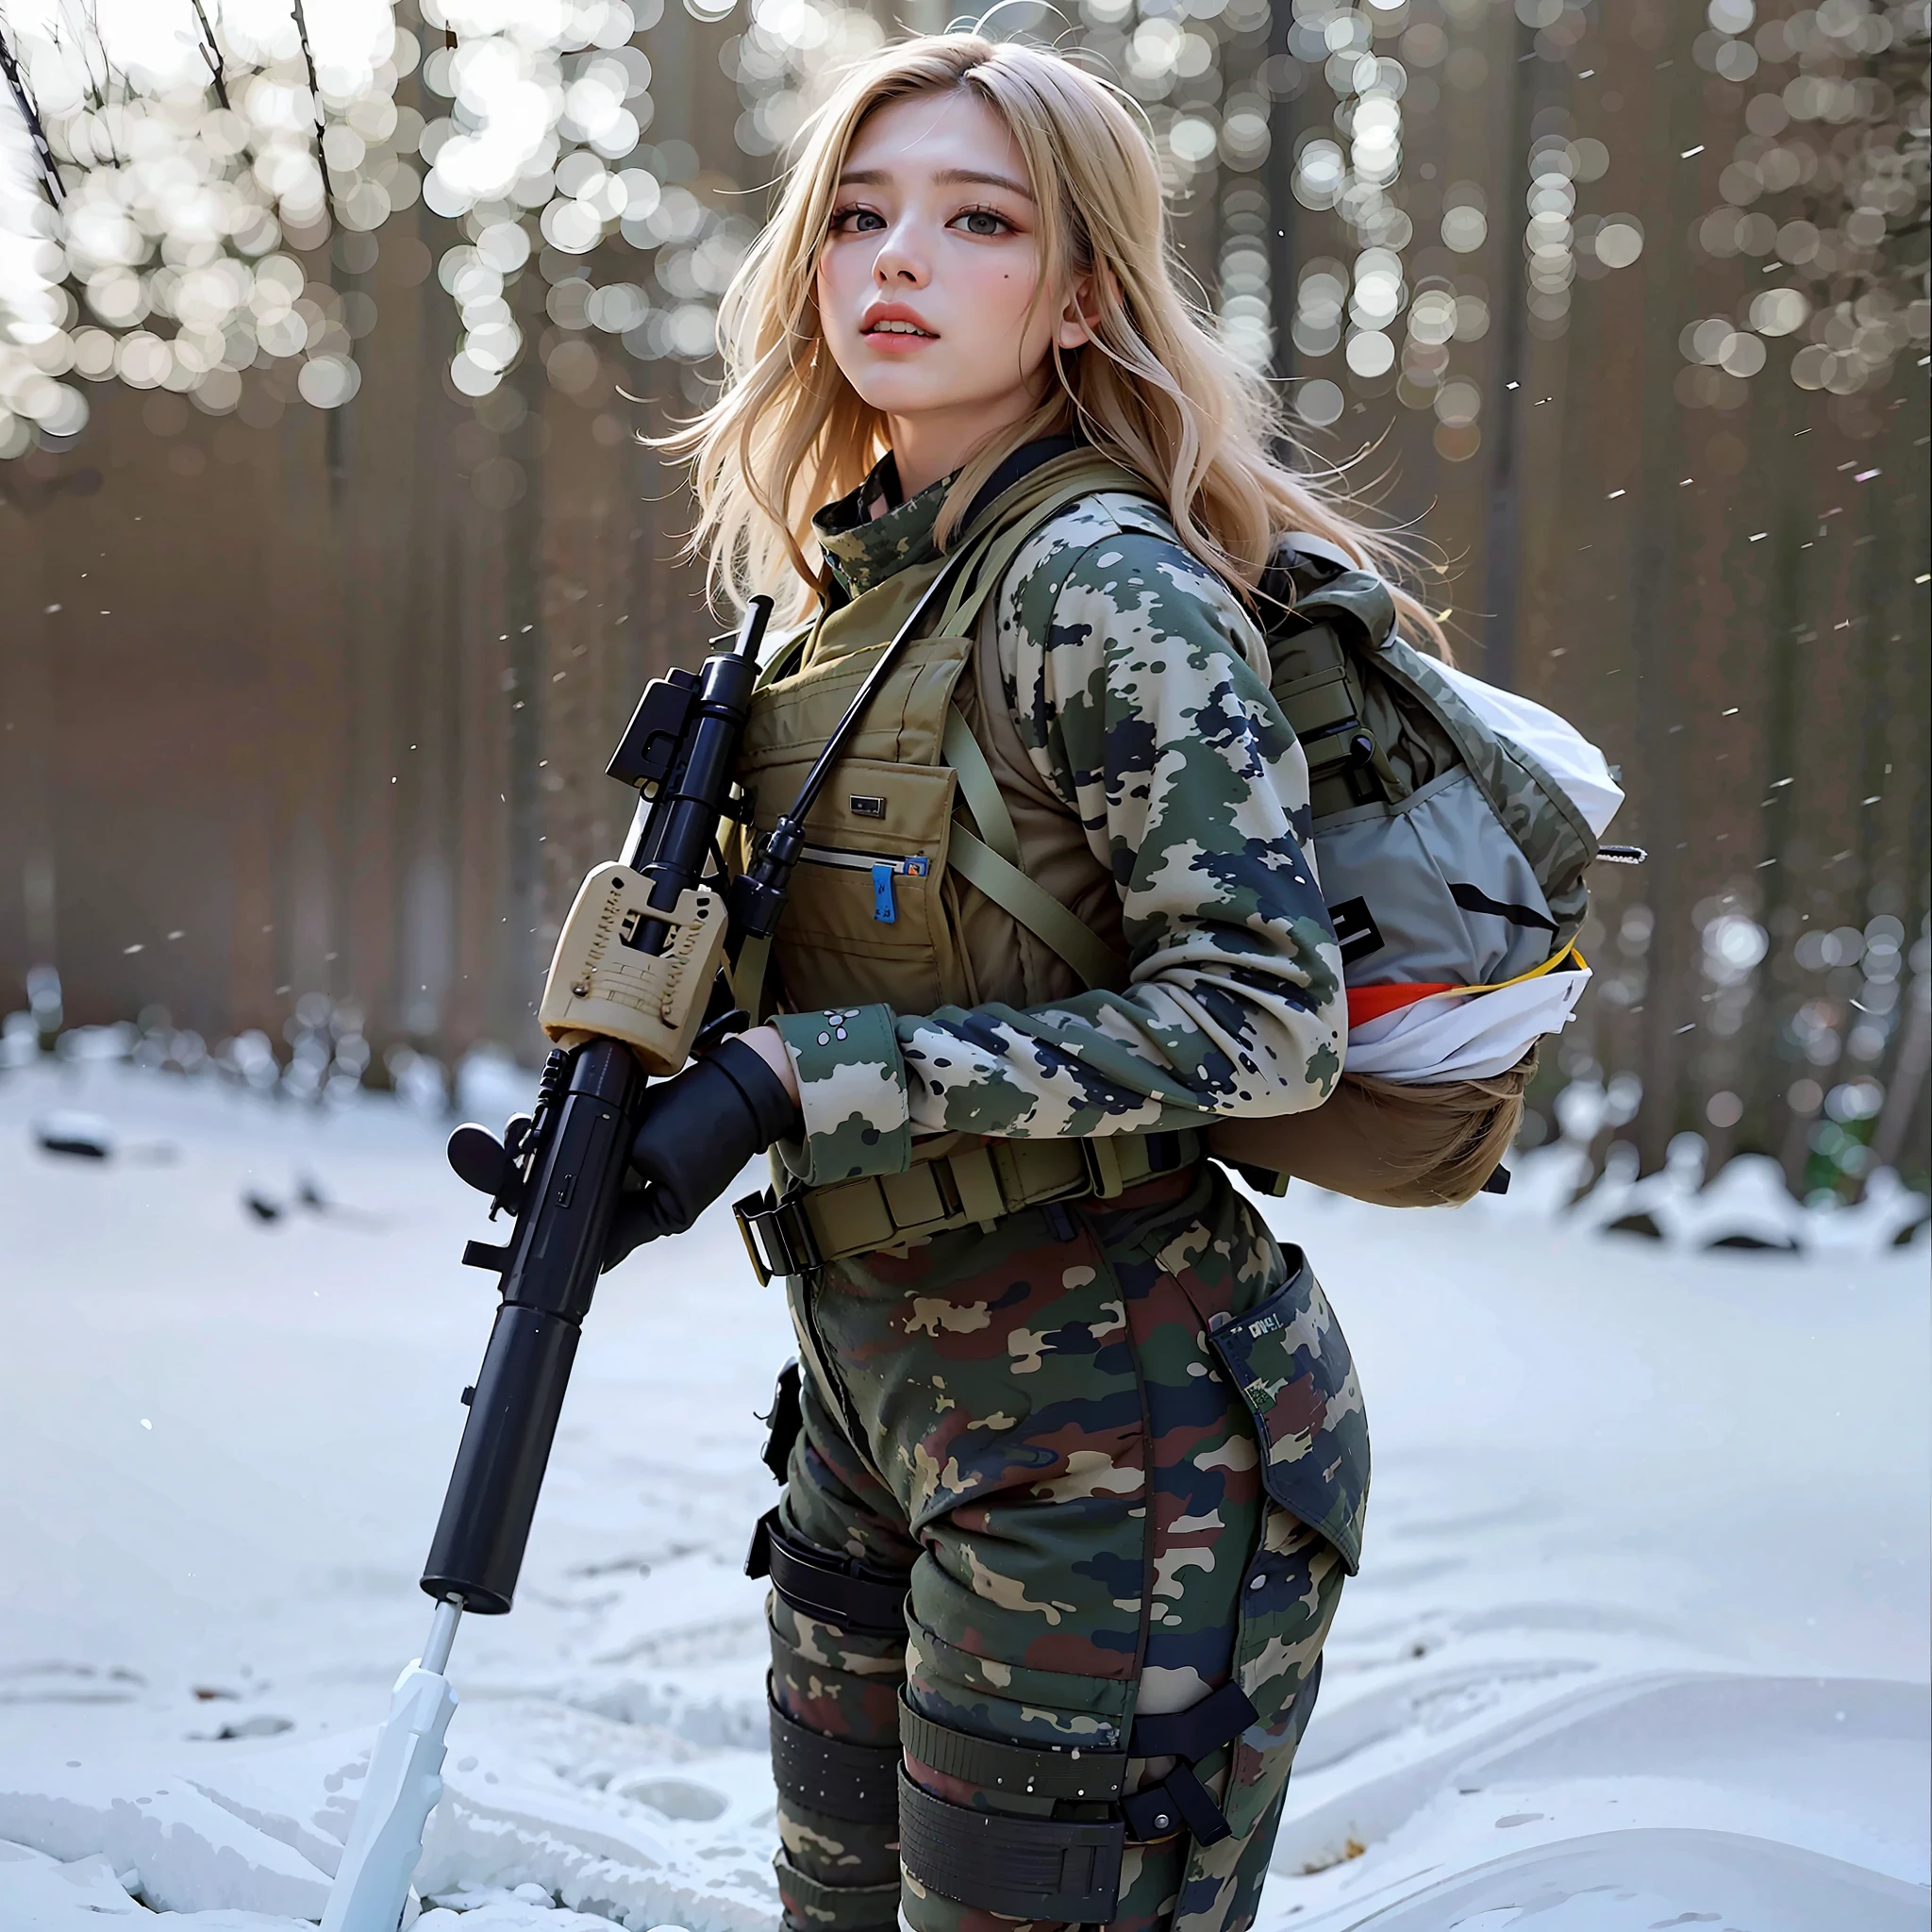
1082 1461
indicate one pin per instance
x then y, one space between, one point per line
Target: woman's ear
1080 316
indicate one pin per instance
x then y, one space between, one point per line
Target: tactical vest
900 900
940 869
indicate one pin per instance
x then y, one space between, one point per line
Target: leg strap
1180 1799
833 1775
1096 1775
824 1584
1023 1867
810 1902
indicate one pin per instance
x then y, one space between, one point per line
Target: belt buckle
750 1209
776 1235
1103 1161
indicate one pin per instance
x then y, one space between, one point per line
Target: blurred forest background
331 561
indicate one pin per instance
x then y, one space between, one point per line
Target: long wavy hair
1156 390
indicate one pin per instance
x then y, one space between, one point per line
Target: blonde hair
1156 390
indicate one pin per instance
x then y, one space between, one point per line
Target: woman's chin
890 392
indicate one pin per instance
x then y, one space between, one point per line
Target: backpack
1453 827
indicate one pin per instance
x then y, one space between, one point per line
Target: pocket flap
1290 1363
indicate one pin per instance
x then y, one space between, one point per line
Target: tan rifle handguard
598 984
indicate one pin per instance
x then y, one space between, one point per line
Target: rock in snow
1640 1636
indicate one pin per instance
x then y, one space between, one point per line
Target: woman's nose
899 264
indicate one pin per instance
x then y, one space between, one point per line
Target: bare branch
321 118
211 52
22 99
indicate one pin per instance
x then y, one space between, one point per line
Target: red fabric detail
1366 1003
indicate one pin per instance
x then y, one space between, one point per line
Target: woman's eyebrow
960 177
949 177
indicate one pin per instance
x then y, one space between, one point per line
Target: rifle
633 986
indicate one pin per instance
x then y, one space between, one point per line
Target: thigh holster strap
786 1419
1022 1868
833 1775
1180 1800
1096 1775
824 1584
836 1907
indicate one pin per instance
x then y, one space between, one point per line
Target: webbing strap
1098 1776
1218 1718
824 1584
837 1907
980 787
1023 1867
977 583
1180 1799
833 1775
1037 909
746 975
781 661
980 1183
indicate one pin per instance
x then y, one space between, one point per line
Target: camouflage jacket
1130 670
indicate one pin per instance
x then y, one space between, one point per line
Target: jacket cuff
852 1090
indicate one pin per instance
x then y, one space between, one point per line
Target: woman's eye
857 221
982 221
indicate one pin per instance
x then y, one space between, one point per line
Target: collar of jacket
863 551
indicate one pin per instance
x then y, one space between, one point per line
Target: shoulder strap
1027 506
992 862
980 787
788 653
1037 909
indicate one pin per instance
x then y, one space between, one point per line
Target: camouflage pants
1031 1425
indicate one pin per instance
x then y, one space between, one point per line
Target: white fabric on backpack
1462 1035
1553 742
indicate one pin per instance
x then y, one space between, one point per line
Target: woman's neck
935 442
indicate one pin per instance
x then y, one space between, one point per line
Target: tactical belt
820 1583
979 1183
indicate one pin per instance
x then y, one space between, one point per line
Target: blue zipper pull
883 909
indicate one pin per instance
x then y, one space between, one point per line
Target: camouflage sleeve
1128 670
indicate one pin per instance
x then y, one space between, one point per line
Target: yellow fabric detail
1549 965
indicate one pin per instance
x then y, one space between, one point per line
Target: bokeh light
169 237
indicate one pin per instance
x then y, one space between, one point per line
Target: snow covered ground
1641 1638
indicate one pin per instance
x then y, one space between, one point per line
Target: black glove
700 1127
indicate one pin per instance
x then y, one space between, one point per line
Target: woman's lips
890 323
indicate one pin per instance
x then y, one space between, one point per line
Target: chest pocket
867 919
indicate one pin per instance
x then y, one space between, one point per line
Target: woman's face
928 277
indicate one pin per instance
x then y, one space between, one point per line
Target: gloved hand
699 1129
